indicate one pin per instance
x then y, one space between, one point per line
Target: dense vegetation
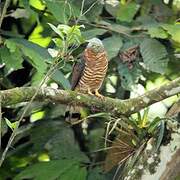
39 42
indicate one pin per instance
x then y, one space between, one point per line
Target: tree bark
115 106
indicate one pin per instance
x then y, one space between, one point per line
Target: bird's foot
90 93
98 94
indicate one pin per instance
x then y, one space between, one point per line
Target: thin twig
7 2
0 120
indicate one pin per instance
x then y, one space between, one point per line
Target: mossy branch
115 106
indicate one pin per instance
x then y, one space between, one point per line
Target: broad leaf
58 76
37 55
129 77
93 32
173 30
60 10
112 45
12 60
154 55
127 11
157 32
52 170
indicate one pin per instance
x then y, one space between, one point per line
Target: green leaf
129 77
112 45
96 174
11 125
173 30
59 77
127 11
56 30
20 13
13 60
37 54
52 170
57 139
60 10
93 32
36 78
157 32
160 136
154 124
154 55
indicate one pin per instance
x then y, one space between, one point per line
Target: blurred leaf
93 9
95 174
13 60
37 54
29 10
11 125
20 13
63 145
129 77
144 120
154 124
48 171
61 10
157 32
56 30
112 7
127 11
36 78
112 45
57 139
154 55
173 30
58 76
95 139
37 36
93 32
160 136
38 4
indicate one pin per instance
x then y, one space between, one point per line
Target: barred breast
94 72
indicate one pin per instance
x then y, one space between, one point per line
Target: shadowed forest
132 132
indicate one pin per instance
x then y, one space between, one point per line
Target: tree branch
115 106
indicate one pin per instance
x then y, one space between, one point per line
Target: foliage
42 37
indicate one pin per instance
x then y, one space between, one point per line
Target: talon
90 93
98 94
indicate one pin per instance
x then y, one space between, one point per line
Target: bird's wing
77 72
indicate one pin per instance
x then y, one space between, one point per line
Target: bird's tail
72 114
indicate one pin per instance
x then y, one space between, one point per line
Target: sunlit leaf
173 30
157 32
11 125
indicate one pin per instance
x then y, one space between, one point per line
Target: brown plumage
89 73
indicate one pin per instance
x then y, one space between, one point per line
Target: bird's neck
92 56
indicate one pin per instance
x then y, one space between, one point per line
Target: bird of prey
88 73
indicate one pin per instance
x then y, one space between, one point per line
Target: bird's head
95 45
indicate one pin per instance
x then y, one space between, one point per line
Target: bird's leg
98 94
89 92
